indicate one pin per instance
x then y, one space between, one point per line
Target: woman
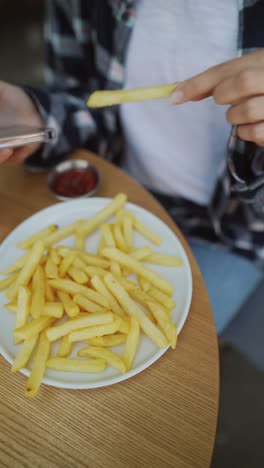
177 152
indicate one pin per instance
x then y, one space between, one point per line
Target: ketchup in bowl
73 179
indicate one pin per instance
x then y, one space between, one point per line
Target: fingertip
177 96
5 154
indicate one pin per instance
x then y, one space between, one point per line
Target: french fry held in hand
99 305
111 98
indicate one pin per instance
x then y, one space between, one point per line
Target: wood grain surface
163 417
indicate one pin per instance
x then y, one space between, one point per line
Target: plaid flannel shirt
86 43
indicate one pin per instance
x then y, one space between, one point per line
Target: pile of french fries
68 295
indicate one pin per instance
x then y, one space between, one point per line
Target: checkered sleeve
68 74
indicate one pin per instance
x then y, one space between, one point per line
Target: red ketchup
74 182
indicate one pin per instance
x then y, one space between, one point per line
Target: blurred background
239 440
21 43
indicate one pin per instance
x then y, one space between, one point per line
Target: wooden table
163 417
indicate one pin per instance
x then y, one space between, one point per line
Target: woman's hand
17 109
238 83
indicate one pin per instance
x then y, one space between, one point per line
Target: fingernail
177 96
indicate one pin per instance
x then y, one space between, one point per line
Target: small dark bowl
66 166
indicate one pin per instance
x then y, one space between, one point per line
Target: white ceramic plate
62 214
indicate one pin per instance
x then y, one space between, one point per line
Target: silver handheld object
14 137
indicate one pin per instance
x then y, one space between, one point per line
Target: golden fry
95 271
51 269
38 292
166 260
99 285
145 284
128 231
65 348
108 340
61 233
32 328
93 223
88 258
39 366
66 263
91 366
78 275
71 308
55 256
91 332
24 354
78 323
79 263
107 234
111 98
141 253
80 242
127 284
19 263
106 354
72 288
101 245
88 305
5 283
144 230
11 306
40 235
119 238
12 291
115 269
23 306
162 298
94 260
53 309
142 297
138 268
134 310
49 293
124 325
28 268
132 343
165 322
